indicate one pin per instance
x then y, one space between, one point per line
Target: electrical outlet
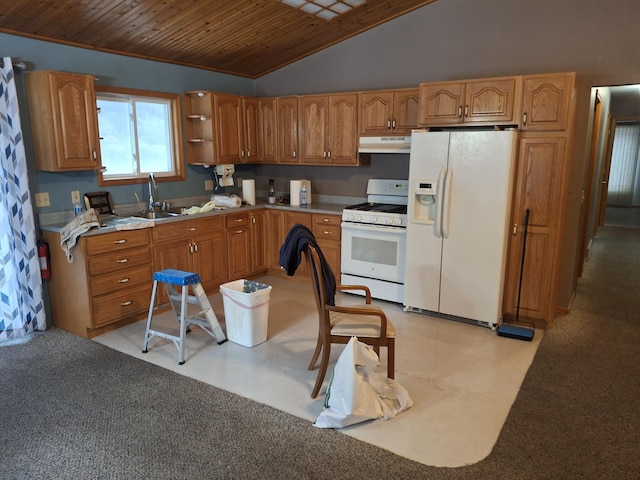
75 197
42 199
208 184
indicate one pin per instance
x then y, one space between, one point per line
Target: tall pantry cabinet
542 176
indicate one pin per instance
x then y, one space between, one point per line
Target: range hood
385 145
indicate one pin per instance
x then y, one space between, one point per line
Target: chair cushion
366 326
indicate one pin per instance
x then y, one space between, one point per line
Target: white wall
456 39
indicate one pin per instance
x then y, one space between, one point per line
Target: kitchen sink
156 215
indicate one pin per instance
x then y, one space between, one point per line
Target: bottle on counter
272 192
303 196
77 209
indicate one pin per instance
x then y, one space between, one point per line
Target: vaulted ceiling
242 37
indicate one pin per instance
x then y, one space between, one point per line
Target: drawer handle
126 304
120 242
239 220
327 220
122 260
124 280
327 232
238 232
193 229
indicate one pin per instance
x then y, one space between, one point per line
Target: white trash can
246 311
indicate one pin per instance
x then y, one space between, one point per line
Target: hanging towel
76 227
291 256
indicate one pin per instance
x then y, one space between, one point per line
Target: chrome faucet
152 188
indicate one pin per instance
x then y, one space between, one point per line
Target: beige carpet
462 378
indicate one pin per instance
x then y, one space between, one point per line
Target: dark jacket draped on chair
291 254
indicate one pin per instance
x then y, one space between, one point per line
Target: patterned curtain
21 305
624 164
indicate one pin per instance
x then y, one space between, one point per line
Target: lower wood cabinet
108 281
238 235
259 237
197 246
326 229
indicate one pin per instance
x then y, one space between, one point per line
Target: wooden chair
337 324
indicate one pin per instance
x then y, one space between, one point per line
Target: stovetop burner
379 207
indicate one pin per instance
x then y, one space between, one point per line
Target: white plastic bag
356 393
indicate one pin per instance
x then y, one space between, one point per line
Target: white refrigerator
460 189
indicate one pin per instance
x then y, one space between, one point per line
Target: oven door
373 251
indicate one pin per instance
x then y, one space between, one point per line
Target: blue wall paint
113 70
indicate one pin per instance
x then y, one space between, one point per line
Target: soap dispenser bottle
272 192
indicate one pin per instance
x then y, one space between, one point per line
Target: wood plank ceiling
242 37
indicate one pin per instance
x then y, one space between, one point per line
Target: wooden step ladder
205 318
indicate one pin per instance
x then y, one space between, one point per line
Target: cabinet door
441 103
210 260
230 128
491 100
376 113
287 132
64 121
292 218
313 128
267 131
406 110
258 241
200 127
251 124
342 129
176 255
546 101
327 230
538 188
275 237
239 253
75 106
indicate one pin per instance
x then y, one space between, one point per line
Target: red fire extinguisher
45 259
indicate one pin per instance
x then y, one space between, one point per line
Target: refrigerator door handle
437 226
445 203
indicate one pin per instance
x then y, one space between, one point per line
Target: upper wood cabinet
546 101
200 127
329 129
220 128
250 121
486 101
389 112
64 121
267 131
287 131
230 128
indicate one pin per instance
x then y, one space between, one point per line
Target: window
140 133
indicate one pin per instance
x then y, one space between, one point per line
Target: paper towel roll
249 191
294 192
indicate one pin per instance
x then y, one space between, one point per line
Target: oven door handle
371 228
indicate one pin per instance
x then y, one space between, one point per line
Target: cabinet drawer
186 229
110 242
122 304
234 220
326 226
122 279
119 261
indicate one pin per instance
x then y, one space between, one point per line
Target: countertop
322 208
